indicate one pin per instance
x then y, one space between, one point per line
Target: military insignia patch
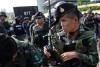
62 10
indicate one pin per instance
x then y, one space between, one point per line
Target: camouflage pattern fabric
85 45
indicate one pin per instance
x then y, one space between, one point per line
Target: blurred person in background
18 29
25 24
4 25
37 34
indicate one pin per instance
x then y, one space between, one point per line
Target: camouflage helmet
3 14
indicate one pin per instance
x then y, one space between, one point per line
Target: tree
79 2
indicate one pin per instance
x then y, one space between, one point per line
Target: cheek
42 20
37 20
68 25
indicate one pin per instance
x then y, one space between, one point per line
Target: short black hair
8 48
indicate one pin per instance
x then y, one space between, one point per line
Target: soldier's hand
46 52
68 56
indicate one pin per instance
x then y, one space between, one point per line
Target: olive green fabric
87 52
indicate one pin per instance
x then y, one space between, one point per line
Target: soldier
4 25
89 21
18 29
29 27
25 24
7 49
92 23
15 53
72 47
38 32
40 29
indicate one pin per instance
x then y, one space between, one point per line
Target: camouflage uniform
73 39
4 25
40 40
84 44
38 37
39 34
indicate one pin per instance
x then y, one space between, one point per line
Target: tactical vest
39 35
63 44
18 29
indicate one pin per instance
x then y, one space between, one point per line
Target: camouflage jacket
84 44
38 35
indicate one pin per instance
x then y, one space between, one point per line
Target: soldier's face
3 18
39 19
69 24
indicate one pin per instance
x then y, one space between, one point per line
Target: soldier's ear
76 19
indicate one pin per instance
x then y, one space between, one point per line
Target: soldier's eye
63 20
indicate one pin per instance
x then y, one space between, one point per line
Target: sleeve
91 57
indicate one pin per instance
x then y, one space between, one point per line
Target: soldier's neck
73 36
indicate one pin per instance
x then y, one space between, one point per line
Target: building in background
52 2
95 1
40 4
43 4
25 11
55 1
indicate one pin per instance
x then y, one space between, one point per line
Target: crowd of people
71 41
91 21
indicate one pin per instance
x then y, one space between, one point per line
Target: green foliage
86 8
13 18
79 2
45 11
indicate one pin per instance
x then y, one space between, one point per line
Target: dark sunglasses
38 17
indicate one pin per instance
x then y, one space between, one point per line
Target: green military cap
39 14
62 8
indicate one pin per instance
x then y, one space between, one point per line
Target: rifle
49 46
